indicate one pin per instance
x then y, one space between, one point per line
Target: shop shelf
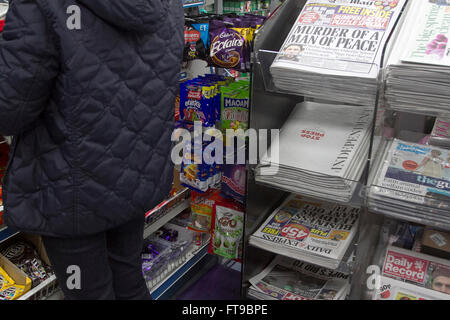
166 211
176 270
6 233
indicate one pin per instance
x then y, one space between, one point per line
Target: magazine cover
391 289
417 268
339 37
289 279
421 173
429 42
318 228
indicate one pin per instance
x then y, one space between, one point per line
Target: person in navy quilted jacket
87 90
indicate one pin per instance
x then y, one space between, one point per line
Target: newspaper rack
413 196
263 60
355 197
271 106
425 209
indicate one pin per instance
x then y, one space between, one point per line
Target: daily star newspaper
391 289
341 37
419 173
289 279
309 227
418 269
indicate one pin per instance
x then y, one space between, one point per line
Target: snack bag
9 290
227 45
194 173
234 106
233 182
195 102
26 258
202 206
195 41
228 224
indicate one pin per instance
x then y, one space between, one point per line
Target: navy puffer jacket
90 109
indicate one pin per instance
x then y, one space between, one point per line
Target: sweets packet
227 229
26 258
9 290
194 173
235 106
227 46
194 105
202 206
233 182
195 41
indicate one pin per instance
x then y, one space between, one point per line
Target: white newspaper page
429 43
342 37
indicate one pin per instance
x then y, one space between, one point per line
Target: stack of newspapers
321 151
409 275
417 76
289 279
411 182
440 136
334 49
315 232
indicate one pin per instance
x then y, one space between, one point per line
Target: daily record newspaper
341 37
417 269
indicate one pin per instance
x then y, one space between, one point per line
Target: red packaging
227 230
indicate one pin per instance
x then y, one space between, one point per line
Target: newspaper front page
318 228
342 37
289 279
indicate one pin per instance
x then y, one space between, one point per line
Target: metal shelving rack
269 110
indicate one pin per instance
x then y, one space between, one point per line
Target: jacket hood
130 15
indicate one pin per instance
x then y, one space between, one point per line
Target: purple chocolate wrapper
227 48
233 182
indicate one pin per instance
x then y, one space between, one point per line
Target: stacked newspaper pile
321 152
440 136
409 275
412 182
316 232
418 66
334 49
288 279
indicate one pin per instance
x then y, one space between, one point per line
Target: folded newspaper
321 152
412 182
334 49
440 136
316 232
418 59
391 289
418 269
289 279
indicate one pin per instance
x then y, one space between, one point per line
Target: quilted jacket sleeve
28 66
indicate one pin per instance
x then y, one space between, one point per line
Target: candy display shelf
6 233
43 291
175 274
161 215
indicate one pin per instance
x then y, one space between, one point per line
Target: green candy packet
234 106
